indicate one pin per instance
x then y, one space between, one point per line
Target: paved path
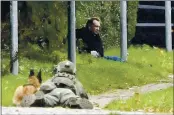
103 99
63 111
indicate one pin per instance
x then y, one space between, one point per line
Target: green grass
158 101
144 65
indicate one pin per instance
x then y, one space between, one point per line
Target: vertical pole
168 29
0 48
123 6
14 36
71 32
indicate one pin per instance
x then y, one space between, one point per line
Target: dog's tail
18 95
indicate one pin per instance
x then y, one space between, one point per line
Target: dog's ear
39 76
31 72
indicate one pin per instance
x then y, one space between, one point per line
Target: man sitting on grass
91 38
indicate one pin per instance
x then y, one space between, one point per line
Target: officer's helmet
65 66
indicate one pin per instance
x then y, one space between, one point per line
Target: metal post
168 28
123 30
0 50
14 36
71 32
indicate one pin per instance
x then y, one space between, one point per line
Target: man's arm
79 39
78 34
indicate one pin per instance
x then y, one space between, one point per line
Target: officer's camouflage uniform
62 89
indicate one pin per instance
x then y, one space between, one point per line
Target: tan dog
30 88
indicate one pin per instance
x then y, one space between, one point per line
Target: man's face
95 27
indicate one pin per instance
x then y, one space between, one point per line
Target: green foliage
5 63
158 101
58 56
5 34
50 20
34 52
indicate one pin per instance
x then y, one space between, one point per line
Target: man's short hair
90 21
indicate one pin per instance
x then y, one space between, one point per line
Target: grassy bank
144 65
158 101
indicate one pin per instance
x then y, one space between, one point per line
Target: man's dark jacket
91 40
